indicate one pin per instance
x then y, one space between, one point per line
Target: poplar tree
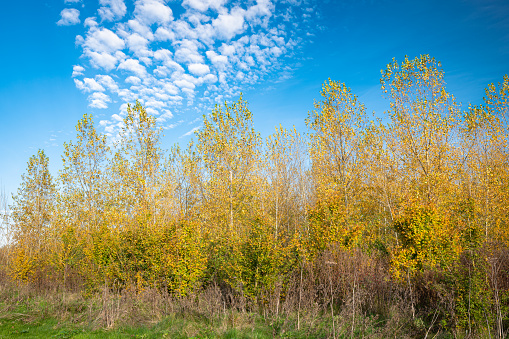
32 216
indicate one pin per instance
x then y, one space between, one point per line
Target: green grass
28 320
171 327
17 325
24 314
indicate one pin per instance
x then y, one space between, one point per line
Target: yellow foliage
427 240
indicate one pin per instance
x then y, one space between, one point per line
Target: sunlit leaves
425 189
32 214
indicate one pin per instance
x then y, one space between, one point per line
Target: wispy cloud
191 131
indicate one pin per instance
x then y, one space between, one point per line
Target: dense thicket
411 206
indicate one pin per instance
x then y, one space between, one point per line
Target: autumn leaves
421 186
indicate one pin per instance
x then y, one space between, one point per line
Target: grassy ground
38 318
17 325
25 313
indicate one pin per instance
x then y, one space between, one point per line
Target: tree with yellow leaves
32 217
230 149
337 156
422 135
484 136
421 141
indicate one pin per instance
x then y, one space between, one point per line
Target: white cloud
98 100
187 51
152 11
90 22
163 34
102 60
229 25
217 59
133 80
107 82
139 46
174 125
163 54
139 27
183 83
260 13
103 48
207 53
117 118
166 115
183 30
276 51
89 85
170 88
191 131
199 69
69 16
112 10
227 49
134 66
210 78
157 104
203 5
77 70
103 40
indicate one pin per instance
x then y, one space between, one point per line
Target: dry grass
340 294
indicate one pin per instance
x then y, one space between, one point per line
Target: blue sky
63 58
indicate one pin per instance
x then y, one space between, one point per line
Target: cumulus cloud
117 117
112 10
133 80
183 83
108 82
187 51
210 78
98 100
199 69
103 48
103 40
163 34
166 115
230 24
77 70
182 58
102 60
90 22
134 66
218 60
69 16
152 11
203 5
227 49
88 85
260 13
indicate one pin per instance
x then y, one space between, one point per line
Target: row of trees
425 186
